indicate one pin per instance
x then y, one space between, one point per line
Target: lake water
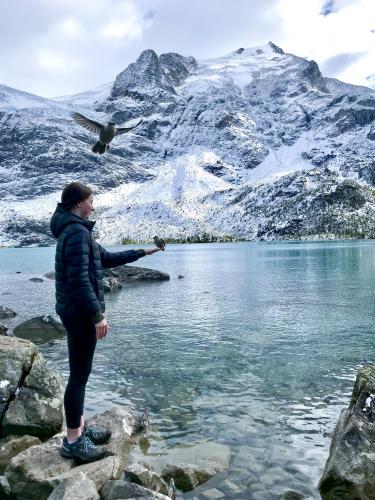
248 359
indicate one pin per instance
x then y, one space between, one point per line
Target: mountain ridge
222 141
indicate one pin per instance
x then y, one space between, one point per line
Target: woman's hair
73 193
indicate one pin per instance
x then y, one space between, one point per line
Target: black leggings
81 347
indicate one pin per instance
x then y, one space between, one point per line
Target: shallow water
248 359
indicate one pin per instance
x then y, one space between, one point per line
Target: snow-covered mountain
255 144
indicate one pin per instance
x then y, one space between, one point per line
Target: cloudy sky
60 47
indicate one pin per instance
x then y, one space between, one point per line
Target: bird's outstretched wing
88 124
123 130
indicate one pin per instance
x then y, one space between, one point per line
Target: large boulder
40 329
187 476
78 486
139 474
36 472
114 278
350 469
36 408
30 392
10 446
121 489
131 273
16 359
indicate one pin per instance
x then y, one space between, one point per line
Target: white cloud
57 63
71 27
123 29
346 30
42 40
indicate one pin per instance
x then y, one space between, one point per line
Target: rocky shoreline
31 431
32 427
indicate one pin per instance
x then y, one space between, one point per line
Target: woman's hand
101 328
153 250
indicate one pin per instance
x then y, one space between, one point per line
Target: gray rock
131 273
111 284
5 312
50 275
114 278
213 494
40 329
3 329
187 476
122 489
350 469
292 495
37 407
4 487
76 487
36 472
16 358
139 474
231 487
36 280
10 446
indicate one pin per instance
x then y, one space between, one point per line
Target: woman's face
86 207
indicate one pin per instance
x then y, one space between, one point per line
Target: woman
80 304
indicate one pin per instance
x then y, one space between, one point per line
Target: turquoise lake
248 359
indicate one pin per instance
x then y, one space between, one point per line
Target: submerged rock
111 284
40 329
293 495
350 469
187 476
5 312
3 329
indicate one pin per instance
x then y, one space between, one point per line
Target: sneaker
83 450
97 434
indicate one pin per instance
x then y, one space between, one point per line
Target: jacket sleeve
77 258
115 259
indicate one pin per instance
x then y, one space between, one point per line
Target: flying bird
159 243
106 132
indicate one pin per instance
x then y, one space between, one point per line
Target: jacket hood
63 217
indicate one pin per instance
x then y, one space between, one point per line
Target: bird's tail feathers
99 147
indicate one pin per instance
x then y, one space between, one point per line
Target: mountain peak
275 48
153 72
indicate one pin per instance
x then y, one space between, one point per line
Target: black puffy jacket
78 265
